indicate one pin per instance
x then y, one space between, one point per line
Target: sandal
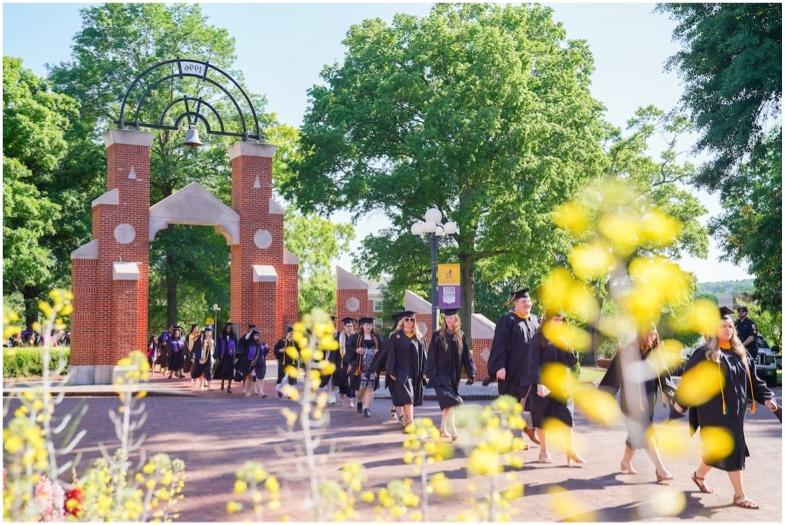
744 503
663 477
627 469
545 459
701 485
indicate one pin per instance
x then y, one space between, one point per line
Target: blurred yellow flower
560 292
592 260
567 506
671 437
699 384
572 216
659 229
558 379
483 462
567 336
700 316
622 232
597 405
718 443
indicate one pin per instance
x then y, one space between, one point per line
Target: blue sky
281 49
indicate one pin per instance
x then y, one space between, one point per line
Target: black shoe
367 413
359 408
280 395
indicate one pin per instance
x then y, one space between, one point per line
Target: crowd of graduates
518 353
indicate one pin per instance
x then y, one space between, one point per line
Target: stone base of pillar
81 374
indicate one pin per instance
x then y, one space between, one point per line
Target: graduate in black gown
347 342
252 364
727 409
362 373
163 349
284 360
177 353
380 363
328 382
511 349
202 355
193 335
542 405
658 385
448 355
225 356
405 366
152 352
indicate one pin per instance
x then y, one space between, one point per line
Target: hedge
27 361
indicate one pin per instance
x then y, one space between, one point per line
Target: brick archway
109 274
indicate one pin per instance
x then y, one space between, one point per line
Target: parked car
767 362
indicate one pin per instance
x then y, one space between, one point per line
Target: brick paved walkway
215 433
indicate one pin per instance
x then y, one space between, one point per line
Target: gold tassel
722 390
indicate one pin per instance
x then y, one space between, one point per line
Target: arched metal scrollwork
194 108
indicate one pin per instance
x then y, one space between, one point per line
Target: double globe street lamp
434 230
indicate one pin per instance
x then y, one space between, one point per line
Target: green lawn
591 374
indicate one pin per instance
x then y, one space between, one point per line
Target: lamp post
433 229
215 309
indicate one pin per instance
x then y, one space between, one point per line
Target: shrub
27 361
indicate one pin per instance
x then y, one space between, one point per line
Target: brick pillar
259 256
110 291
351 297
288 311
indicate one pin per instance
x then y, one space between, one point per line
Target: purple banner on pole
449 296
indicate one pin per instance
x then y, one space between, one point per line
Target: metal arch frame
180 74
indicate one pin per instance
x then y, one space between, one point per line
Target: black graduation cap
523 292
251 325
450 311
364 320
289 328
726 312
396 316
407 313
347 320
332 318
208 328
741 308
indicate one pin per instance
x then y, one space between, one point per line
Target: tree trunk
171 294
31 298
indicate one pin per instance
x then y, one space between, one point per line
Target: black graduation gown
254 359
661 381
543 351
198 369
737 388
226 352
334 357
380 361
177 356
341 379
283 359
356 368
163 349
406 360
510 349
443 368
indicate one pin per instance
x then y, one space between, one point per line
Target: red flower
73 502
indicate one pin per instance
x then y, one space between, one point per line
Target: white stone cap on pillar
415 303
251 149
110 197
86 251
264 273
125 271
289 257
274 208
130 137
348 281
482 327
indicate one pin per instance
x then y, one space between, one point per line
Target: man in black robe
511 349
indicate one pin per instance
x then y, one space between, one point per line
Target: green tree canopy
481 110
731 64
35 121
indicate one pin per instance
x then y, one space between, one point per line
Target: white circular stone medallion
262 239
352 304
124 233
